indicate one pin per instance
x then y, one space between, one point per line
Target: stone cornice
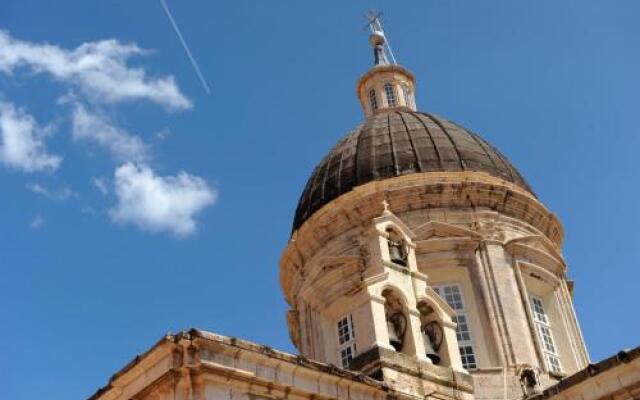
431 190
545 255
218 356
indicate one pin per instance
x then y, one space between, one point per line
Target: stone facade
492 239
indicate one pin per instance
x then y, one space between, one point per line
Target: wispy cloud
159 203
37 222
98 129
162 134
101 183
22 143
61 194
99 69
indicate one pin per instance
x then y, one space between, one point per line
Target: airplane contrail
186 48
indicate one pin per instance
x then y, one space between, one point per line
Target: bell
394 340
429 350
395 254
529 378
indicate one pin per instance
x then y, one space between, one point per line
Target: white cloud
22 141
37 222
159 203
122 145
101 183
61 194
99 69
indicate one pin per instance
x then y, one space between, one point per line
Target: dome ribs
365 153
431 159
303 209
396 143
484 145
316 200
474 155
448 136
392 147
512 171
384 164
414 146
403 149
331 179
348 164
448 159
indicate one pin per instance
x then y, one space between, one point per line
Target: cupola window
543 327
408 96
346 340
373 99
453 296
390 93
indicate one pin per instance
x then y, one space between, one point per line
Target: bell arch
398 320
397 247
438 330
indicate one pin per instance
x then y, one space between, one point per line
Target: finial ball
376 38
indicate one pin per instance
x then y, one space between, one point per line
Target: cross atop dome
386 85
382 49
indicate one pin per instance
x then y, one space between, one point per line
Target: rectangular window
543 327
346 340
373 100
408 101
391 96
452 294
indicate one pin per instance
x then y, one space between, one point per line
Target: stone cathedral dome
394 142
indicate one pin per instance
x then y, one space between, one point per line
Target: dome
397 142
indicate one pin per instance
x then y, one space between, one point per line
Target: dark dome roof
395 143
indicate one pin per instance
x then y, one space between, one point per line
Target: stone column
517 334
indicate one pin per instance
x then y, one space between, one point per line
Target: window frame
345 327
373 100
390 94
408 96
469 359
544 331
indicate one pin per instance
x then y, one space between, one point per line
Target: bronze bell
396 253
429 350
394 340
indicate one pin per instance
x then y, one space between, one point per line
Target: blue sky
134 203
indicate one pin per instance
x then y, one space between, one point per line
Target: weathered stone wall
199 365
489 236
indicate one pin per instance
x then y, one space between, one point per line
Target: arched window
373 100
397 248
390 93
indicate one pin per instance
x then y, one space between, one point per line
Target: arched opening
433 336
396 317
398 252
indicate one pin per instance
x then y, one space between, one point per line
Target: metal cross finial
374 24
374 21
